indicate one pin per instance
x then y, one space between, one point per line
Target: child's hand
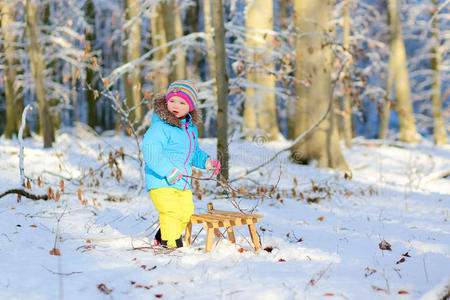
212 164
174 176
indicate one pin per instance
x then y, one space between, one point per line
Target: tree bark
398 75
90 40
440 133
347 115
222 88
260 106
314 65
161 72
14 103
131 51
38 70
173 30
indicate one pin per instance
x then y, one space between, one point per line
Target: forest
385 68
330 120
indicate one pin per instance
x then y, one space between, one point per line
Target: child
170 148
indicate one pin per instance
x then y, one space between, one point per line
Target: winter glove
174 176
212 164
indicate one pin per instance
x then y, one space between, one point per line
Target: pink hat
184 89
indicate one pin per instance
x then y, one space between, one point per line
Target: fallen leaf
406 254
158 295
55 251
268 249
378 289
383 245
402 292
320 218
400 261
328 294
241 250
102 287
281 260
34 226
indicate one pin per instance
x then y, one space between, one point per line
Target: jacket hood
160 108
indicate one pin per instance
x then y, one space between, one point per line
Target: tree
222 87
260 106
14 102
347 127
38 70
161 75
173 30
314 64
90 41
131 51
440 134
398 77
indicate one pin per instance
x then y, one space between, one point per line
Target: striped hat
184 89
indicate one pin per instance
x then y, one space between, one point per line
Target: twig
25 194
425 269
22 127
61 274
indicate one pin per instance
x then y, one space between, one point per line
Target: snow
310 250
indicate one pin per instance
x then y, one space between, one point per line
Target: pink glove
174 176
212 164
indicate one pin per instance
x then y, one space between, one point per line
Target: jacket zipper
189 154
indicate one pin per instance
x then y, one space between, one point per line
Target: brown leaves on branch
383 245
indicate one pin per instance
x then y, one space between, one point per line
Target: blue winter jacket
167 146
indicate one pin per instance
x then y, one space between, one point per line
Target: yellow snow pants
175 210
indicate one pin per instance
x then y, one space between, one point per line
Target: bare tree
38 70
14 102
131 51
260 106
440 133
314 63
398 77
222 87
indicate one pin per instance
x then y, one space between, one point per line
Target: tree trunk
347 127
399 70
161 71
314 65
222 87
440 133
90 40
131 51
14 103
173 30
260 106
209 41
285 20
38 70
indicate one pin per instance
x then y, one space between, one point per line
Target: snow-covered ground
321 233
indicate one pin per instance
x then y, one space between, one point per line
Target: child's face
178 106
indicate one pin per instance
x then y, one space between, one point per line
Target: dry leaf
281 260
383 245
406 254
102 287
61 185
320 218
402 292
105 82
55 251
57 196
328 294
400 261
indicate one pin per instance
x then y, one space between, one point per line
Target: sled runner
215 219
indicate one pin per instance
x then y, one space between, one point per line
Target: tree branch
25 194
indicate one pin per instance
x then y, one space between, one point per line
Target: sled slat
215 219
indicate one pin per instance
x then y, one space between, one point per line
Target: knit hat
184 89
